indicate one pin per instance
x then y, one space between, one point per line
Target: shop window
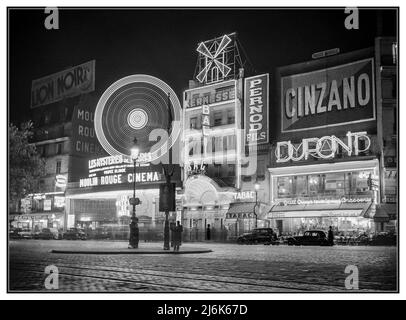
315 183
285 187
359 182
335 184
301 186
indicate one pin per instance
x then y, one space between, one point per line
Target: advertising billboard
67 83
118 170
335 96
256 107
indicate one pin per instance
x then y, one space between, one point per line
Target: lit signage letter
307 149
283 148
363 100
290 109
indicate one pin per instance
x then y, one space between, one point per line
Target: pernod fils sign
256 109
323 148
329 97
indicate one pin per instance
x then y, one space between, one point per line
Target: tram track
175 280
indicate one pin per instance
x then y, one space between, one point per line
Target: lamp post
257 186
134 231
168 172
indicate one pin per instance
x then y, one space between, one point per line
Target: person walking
208 232
172 227
330 236
177 236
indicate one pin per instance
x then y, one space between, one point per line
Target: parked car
310 238
99 234
14 233
74 234
25 234
48 234
258 235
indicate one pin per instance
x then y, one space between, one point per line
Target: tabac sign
329 97
256 106
68 83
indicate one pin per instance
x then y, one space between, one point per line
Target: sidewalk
120 247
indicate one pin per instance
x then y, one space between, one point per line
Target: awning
385 212
241 210
319 210
37 215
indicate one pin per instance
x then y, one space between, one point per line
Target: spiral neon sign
135 106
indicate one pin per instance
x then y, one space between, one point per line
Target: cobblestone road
229 268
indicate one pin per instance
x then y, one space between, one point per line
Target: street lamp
257 186
168 172
134 231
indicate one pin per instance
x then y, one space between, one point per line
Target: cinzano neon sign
323 148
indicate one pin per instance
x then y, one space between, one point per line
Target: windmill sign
213 60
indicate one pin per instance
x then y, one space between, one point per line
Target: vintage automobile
49 234
310 238
26 234
74 234
258 235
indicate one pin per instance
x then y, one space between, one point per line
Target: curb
129 251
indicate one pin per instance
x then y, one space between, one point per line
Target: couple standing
176 235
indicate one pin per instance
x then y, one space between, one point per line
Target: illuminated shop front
40 210
319 196
102 198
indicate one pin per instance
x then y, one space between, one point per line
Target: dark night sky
162 42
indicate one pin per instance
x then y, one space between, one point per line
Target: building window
231 170
218 118
58 148
193 123
47 118
58 166
230 117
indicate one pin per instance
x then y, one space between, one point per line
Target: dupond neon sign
323 148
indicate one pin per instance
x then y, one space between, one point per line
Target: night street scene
202 150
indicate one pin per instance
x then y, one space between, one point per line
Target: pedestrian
172 227
208 232
330 236
177 236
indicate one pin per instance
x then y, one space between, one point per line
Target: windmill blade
225 70
223 44
203 74
202 49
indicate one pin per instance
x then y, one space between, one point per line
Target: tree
26 167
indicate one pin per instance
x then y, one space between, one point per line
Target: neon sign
323 148
256 109
215 68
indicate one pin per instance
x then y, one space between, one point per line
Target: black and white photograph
202 150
